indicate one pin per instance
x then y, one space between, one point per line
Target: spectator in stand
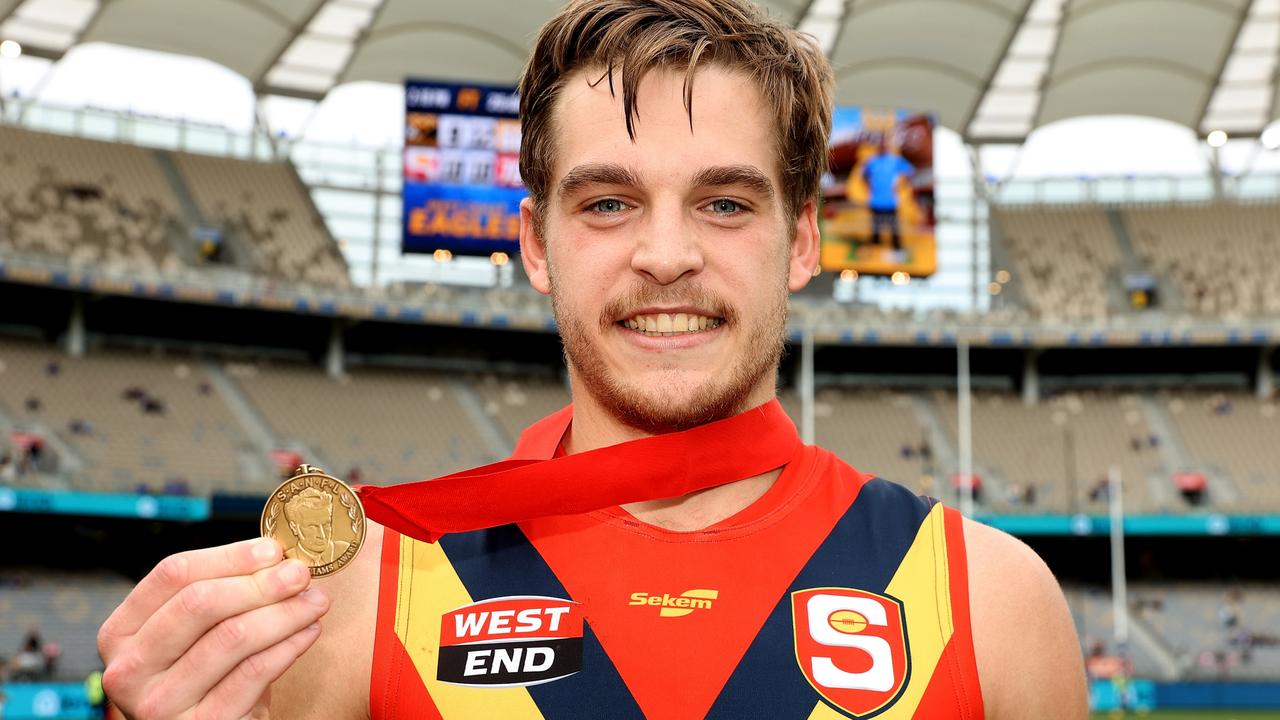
8 469
28 664
52 654
33 404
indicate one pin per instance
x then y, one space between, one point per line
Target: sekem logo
678 605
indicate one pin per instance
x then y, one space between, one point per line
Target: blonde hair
636 36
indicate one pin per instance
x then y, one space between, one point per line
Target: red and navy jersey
835 595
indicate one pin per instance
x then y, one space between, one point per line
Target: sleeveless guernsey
835 595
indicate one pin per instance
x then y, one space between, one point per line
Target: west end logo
510 642
852 647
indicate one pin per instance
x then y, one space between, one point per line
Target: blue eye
608 206
725 206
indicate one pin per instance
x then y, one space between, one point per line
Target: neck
594 427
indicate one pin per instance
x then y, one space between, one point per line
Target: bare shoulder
1029 660
332 679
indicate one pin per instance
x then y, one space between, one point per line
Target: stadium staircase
495 440
1148 641
235 251
1173 453
254 426
1002 259
1170 296
944 450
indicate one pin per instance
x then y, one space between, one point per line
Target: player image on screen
877 213
882 172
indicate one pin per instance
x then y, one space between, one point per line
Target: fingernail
315 597
266 549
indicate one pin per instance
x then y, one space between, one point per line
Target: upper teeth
668 324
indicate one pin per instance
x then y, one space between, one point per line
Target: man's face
314 530
669 259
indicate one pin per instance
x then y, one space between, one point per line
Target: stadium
231 243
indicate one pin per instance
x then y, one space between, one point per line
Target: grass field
1197 715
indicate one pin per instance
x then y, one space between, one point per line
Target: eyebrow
597 174
746 176
749 177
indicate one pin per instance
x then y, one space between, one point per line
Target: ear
533 252
806 247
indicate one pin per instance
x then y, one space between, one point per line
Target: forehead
731 124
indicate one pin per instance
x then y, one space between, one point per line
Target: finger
238 692
202 605
234 640
176 572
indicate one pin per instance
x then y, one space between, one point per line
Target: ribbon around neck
651 468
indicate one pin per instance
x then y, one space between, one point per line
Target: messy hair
632 37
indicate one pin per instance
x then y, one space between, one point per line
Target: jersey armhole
964 657
385 666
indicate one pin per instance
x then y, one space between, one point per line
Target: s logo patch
510 642
852 647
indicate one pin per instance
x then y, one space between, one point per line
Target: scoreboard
462 188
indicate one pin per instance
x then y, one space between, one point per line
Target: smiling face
668 259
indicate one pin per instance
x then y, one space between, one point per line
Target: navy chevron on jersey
835 595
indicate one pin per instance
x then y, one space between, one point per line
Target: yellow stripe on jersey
429 588
922 583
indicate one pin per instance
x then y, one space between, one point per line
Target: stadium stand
1070 436
393 426
132 419
516 403
1215 632
873 430
64 609
1062 259
1234 435
88 203
267 204
1223 257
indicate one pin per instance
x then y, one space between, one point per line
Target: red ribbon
651 468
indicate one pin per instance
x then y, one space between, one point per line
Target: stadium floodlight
1217 138
442 256
1271 137
1002 276
900 278
499 258
849 275
994 288
10 49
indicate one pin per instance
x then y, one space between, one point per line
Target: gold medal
317 518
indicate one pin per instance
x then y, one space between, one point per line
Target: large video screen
877 215
462 187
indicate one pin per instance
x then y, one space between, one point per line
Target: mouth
670 324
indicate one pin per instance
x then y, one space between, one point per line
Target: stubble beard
668 408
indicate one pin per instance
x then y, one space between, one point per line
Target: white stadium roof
993 70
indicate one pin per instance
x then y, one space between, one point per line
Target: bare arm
1029 659
331 680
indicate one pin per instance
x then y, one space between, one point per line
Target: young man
672 150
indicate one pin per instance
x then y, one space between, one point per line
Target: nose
667 247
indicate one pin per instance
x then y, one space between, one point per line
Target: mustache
642 296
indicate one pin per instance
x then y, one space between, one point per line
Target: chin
686 400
